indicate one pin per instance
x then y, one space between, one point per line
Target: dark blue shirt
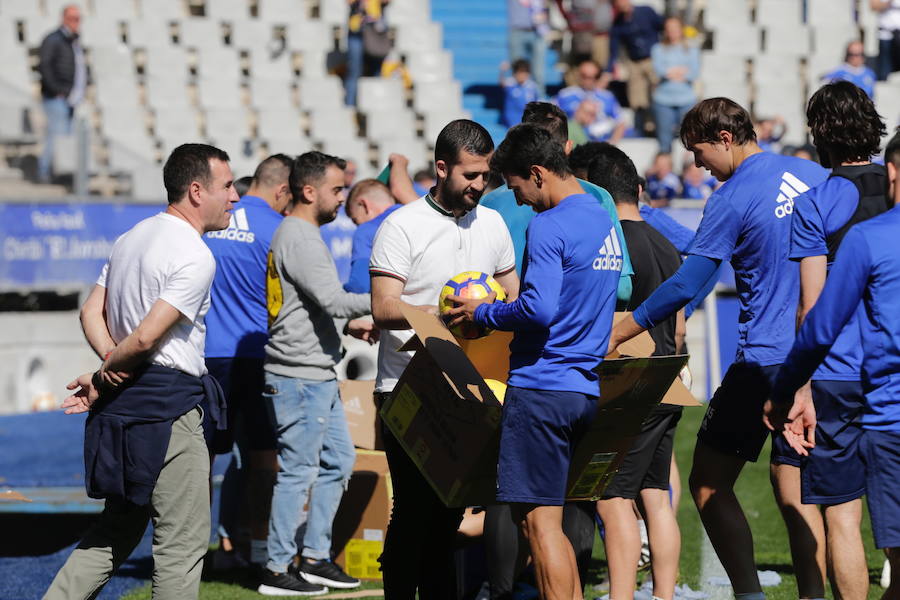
515 96
867 269
639 33
748 221
862 77
563 316
237 321
818 213
363 237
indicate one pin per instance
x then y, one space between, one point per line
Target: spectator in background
518 90
242 185
806 151
662 183
591 87
697 183
888 36
423 181
636 30
527 28
369 204
854 70
769 132
677 65
63 82
349 173
367 43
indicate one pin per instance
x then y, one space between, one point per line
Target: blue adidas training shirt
363 238
748 221
819 213
517 218
563 315
237 321
867 269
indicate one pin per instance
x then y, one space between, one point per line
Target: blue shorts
881 454
834 471
538 433
733 421
242 380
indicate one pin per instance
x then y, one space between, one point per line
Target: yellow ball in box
469 284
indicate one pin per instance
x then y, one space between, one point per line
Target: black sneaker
286 584
326 573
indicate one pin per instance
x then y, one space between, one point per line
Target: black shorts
647 464
733 421
242 380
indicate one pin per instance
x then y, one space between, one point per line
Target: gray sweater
304 297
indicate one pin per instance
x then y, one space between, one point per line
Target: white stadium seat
389 123
275 123
267 94
432 96
375 93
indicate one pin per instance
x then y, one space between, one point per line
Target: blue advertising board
66 244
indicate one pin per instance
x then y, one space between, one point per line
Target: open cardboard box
357 396
448 420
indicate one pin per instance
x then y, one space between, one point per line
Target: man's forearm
93 322
386 313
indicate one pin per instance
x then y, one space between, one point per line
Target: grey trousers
179 509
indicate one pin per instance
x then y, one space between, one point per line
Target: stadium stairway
475 32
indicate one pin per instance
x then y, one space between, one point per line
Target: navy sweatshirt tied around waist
127 433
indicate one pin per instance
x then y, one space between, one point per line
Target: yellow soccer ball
470 284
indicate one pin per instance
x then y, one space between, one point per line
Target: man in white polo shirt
416 250
144 449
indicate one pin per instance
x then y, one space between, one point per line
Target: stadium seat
19 8
426 37
309 35
334 13
832 38
887 101
437 95
436 121
780 13
412 148
265 65
219 93
128 121
150 32
389 123
231 120
292 145
112 9
100 31
725 13
818 65
167 62
36 27
146 182
166 93
772 68
268 94
641 151
736 91
54 8
356 149
722 67
280 122
425 67
787 39
332 122
170 124
16 72
737 40
197 32
218 62
111 61
117 90
282 11
830 13
376 93
318 92
407 14
165 9
227 10
251 34
127 151
13 116
313 64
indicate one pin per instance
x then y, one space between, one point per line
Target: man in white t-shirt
416 250
144 447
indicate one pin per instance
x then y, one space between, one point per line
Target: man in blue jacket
867 271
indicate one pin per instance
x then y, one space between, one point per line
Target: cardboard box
362 517
363 421
448 420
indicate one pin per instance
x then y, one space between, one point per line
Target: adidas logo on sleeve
790 188
610 254
238 229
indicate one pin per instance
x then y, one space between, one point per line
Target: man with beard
315 452
417 249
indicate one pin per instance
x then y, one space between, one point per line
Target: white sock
259 553
643 527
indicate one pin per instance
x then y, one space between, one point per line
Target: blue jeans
59 122
316 458
668 118
527 44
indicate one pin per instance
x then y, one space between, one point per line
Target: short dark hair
581 157
309 169
708 117
612 170
550 117
242 185
273 170
844 123
892 150
188 163
459 135
526 145
521 64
